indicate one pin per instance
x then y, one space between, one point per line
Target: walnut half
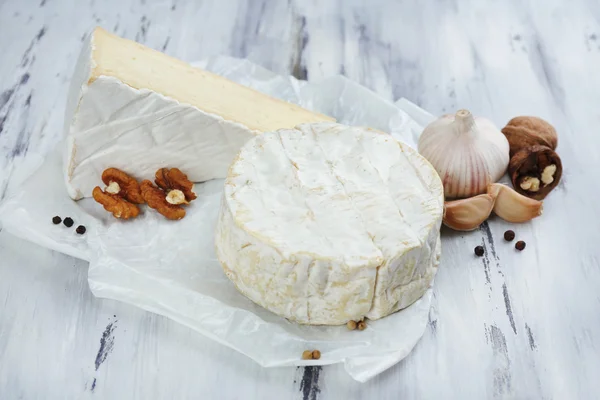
176 184
113 203
120 195
535 171
118 182
157 199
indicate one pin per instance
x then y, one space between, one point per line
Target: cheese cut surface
325 223
134 108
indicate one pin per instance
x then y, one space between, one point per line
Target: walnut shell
528 166
526 131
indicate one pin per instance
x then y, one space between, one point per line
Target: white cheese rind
325 223
136 109
141 131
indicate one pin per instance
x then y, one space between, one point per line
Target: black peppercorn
68 222
520 245
479 251
56 220
80 229
509 236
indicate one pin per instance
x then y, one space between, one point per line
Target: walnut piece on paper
120 195
178 187
119 183
157 199
123 192
115 204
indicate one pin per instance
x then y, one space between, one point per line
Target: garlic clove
493 190
512 206
468 214
468 153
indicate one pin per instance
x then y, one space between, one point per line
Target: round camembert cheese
327 223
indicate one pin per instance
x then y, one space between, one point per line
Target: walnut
530 183
120 193
524 132
176 197
535 171
118 206
157 199
535 168
176 184
119 183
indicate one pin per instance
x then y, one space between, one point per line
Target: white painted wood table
509 325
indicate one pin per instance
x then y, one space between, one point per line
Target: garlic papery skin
468 153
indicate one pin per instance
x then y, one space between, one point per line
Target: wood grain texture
509 325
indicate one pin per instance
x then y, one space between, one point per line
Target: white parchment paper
170 268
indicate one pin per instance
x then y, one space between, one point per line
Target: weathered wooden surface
509 325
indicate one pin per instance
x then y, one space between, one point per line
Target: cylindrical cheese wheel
327 223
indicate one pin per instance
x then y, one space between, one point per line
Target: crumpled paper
170 268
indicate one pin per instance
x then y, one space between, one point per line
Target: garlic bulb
468 153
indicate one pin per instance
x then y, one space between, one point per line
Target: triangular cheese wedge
137 109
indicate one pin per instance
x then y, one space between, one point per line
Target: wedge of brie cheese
326 223
136 109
